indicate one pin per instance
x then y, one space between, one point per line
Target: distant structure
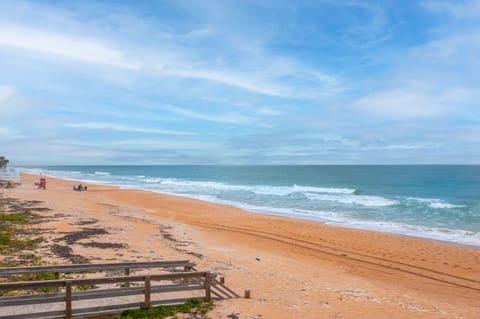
9 176
3 162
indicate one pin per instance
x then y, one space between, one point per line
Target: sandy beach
294 268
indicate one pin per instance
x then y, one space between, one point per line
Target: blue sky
240 82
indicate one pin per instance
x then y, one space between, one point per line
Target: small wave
257 189
459 236
444 205
435 203
363 200
331 190
102 173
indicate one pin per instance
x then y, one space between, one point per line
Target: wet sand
294 268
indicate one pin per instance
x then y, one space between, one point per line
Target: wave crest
362 200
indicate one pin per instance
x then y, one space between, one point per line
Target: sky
240 82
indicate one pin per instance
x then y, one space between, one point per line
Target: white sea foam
458 236
257 189
102 173
444 205
434 202
345 219
363 200
272 196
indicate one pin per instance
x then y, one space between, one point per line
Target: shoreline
294 267
296 217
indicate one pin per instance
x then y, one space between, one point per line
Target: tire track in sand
346 254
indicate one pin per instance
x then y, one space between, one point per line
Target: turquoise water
438 202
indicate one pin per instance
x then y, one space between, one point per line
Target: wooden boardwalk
67 298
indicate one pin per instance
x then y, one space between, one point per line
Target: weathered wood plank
119 292
38 315
185 279
94 310
107 293
147 287
68 300
173 288
30 300
5 271
208 295
23 285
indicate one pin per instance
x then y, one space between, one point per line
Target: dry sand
294 268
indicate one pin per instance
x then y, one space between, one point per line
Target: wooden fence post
68 300
56 276
148 303
208 296
127 273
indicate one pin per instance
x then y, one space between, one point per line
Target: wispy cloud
169 144
365 35
412 102
231 118
6 133
239 81
458 50
456 8
6 92
125 128
96 51
64 45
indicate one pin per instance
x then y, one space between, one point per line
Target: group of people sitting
79 188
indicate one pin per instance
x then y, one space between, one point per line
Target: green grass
14 218
5 239
13 235
191 306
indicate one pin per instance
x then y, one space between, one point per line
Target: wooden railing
121 289
175 282
81 268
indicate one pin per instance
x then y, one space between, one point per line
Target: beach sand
293 268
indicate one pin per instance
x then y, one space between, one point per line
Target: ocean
440 202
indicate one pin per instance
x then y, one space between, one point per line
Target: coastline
355 204
294 267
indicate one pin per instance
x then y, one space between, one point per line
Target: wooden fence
116 294
82 268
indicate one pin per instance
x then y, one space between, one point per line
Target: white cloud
403 146
249 83
460 51
457 9
5 132
124 128
412 102
173 144
269 111
64 45
6 92
279 79
221 118
95 51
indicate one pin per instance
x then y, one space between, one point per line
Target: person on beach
79 188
